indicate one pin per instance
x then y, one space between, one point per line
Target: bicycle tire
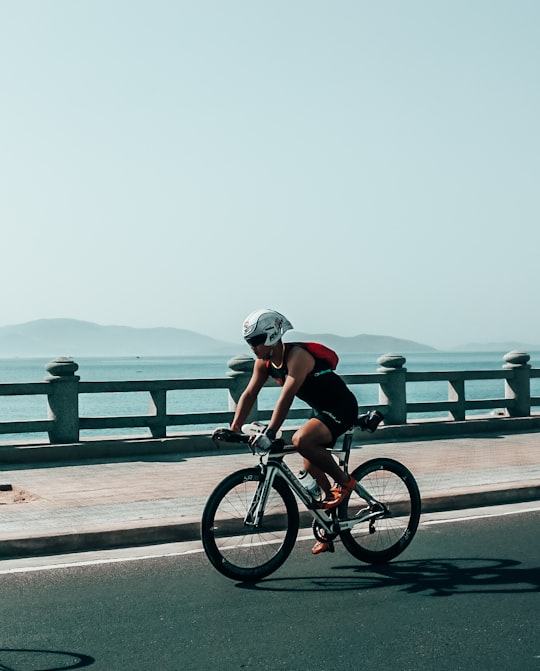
241 552
393 485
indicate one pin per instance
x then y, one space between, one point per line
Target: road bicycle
251 520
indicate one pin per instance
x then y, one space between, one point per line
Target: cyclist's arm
300 363
249 395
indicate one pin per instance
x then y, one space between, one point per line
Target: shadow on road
432 577
19 659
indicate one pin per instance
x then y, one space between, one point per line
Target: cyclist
335 408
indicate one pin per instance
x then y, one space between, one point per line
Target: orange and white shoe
338 493
322 546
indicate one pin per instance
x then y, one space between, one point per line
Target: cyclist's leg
311 441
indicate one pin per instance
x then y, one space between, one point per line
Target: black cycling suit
333 403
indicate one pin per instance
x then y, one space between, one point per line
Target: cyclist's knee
300 442
306 440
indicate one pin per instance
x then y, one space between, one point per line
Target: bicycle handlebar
228 436
366 422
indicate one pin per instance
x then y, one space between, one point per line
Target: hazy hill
497 347
362 343
71 337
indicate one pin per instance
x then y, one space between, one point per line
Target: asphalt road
464 596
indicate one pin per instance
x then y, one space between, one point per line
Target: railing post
393 390
456 394
518 387
241 369
158 412
63 400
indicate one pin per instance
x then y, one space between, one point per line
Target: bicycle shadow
431 577
22 659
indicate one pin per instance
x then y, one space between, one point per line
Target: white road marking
480 516
96 562
34 564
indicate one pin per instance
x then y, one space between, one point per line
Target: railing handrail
113 386
23 388
63 389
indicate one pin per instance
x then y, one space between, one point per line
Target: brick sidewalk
93 504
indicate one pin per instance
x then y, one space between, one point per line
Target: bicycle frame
272 465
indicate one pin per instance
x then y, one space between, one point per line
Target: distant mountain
72 337
362 343
508 346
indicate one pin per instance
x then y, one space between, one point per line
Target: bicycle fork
258 502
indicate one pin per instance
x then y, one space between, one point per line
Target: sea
16 408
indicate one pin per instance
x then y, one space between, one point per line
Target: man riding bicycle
302 375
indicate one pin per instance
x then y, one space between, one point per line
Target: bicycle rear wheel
237 549
386 536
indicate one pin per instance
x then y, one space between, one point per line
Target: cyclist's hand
217 432
222 433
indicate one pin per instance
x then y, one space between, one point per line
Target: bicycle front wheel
235 546
389 532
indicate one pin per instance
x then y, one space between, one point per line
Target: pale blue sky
364 167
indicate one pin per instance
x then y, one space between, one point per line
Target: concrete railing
62 387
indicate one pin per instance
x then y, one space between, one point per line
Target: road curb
189 530
106 539
495 497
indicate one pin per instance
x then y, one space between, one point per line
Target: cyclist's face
262 351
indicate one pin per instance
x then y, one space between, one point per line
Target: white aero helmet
265 327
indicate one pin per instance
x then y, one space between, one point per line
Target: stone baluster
158 413
241 369
456 394
518 387
393 389
63 400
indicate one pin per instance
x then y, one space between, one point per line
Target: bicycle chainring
320 534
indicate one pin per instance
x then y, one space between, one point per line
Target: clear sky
363 167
